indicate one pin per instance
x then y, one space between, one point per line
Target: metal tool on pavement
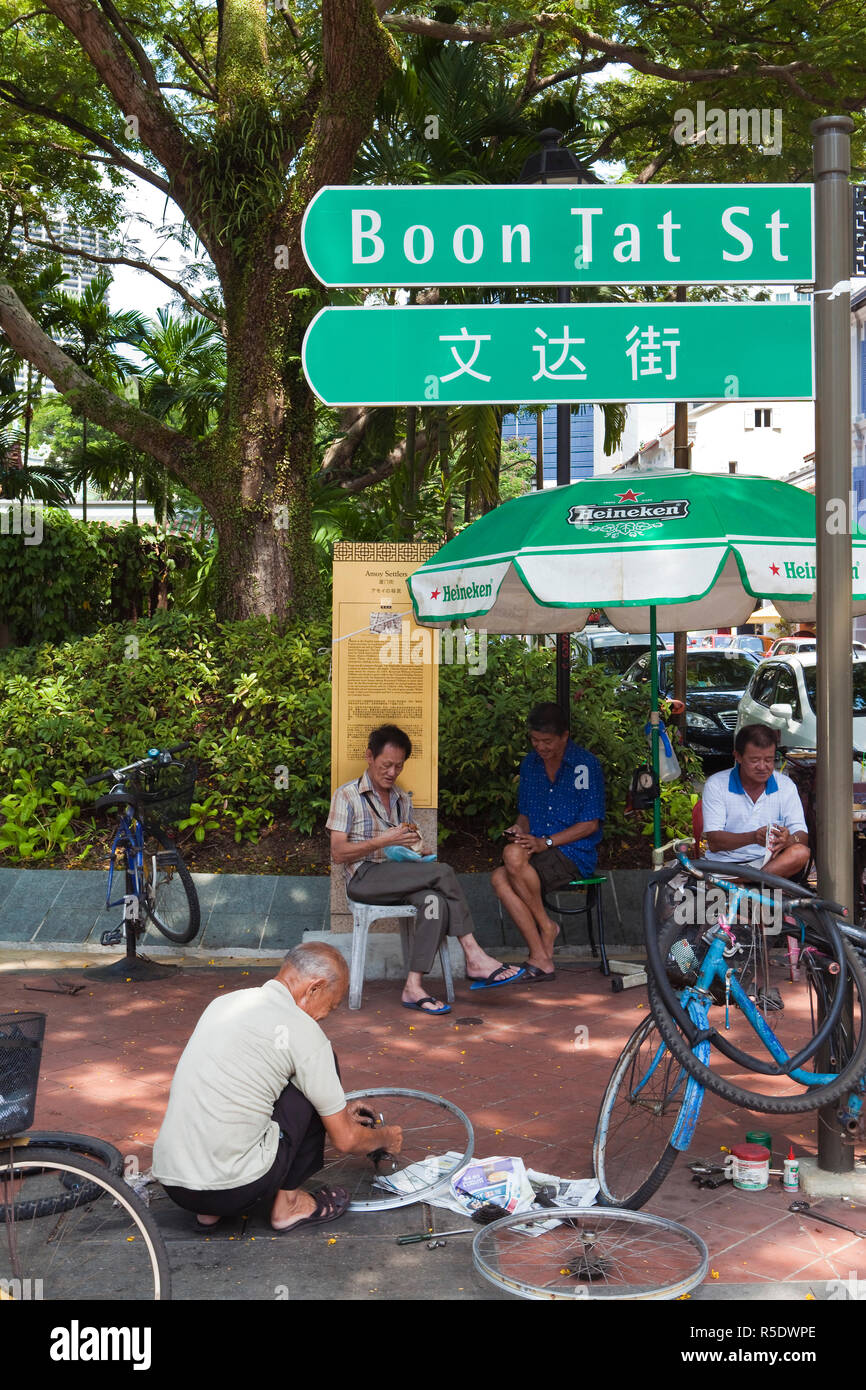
440 1236
804 1209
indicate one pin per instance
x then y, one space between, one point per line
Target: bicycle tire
826 932
364 1182
809 1100
85 1145
614 1158
103 1155
590 1253
839 1044
172 905
97 1249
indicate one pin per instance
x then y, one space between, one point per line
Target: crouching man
254 1094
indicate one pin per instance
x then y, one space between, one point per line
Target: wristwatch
548 842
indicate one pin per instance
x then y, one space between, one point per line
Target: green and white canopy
700 547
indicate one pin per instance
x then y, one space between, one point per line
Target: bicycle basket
166 792
20 1055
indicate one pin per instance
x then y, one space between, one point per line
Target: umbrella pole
654 725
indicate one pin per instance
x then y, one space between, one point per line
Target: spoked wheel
740 1068
650 1101
437 1142
590 1252
170 900
71 1230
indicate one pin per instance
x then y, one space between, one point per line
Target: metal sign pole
833 237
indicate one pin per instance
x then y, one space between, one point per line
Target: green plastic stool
591 887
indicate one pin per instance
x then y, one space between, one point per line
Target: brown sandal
331 1203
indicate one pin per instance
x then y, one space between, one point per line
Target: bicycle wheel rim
103 1248
591 1253
171 902
640 1111
431 1125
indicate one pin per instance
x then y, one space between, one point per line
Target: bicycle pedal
113 937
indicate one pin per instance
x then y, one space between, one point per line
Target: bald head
316 976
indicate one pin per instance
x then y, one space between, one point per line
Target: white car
794 646
782 694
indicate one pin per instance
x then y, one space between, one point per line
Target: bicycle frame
713 968
693 1097
129 836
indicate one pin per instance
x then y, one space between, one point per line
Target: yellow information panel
384 667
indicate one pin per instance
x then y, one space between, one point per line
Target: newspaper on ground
503 1180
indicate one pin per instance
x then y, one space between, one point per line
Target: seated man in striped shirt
366 817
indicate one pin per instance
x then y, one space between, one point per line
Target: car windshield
733 671
617 659
858 675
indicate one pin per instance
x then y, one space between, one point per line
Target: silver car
783 695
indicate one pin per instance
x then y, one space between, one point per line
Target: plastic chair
363 915
591 887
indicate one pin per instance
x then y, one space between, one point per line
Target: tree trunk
259 491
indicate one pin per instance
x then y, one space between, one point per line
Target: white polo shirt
728 806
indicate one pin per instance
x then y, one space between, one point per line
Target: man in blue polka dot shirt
556 835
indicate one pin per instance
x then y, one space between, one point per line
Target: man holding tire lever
255 1092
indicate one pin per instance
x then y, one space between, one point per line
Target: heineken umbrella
701 547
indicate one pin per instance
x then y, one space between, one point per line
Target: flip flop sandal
492 982
331 1202
418 1005
534 974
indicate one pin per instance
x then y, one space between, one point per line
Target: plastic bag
669 767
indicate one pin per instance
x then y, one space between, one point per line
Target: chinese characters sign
525 235
547 353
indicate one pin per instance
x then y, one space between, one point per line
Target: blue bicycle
148 795
705 955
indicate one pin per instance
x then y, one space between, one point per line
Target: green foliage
482 730
254 703
83 573
36 820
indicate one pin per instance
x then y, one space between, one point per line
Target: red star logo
774 569
629 496
434 593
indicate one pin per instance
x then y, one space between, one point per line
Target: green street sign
543 353
521 234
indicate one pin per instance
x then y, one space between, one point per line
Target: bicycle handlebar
119 772
755 876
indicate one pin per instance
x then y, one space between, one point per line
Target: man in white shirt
254 1093
742 806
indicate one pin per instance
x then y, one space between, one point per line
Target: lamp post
556 164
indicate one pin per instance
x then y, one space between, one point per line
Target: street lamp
555 164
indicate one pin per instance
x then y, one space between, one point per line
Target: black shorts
555 870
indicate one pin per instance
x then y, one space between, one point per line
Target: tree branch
185 295
616 52
88 398
145 66
391 461
15 97
158 128
31 14
579 70
187 57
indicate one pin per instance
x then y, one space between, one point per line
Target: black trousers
300 1154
